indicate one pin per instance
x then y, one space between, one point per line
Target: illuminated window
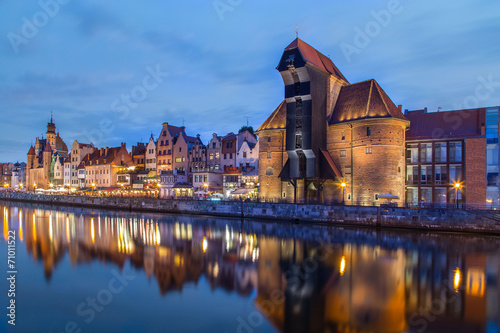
342 153
269 171
368 150
269 155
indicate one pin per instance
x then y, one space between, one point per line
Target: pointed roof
277 119
316 58
48 148
363 100
31 151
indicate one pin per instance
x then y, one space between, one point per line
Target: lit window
342 153
368 150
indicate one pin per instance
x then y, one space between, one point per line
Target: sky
114 71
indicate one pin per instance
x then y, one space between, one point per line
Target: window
211 156
196 178
440 152
368 131
298 141
342 153
268 139
455 173
368 150
343 135
217 155
244 154
440 174
455 151
225 156
166 142
426 174
180 149
230 156
213 145
178 160
347 170
412 153
229 144
426 153
375 196
269 171
269 154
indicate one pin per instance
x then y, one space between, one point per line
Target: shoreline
424 219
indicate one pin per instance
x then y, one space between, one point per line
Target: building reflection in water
306 279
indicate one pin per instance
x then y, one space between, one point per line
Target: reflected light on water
21 231
342 266
456 279
5 223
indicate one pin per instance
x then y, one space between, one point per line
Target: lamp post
343 185
206 188
93 189
34 187
457 187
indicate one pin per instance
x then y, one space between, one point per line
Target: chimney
425 110
106 150
406 111
123 145
101 151
400 107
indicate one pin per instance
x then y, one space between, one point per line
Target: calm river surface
84 270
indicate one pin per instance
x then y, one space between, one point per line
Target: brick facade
475 173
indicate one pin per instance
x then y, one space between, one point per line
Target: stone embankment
387 217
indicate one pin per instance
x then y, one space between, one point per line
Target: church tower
51 132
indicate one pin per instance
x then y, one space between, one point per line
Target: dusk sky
114 71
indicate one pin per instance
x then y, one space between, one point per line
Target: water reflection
306 279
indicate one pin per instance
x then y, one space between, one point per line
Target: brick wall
475 171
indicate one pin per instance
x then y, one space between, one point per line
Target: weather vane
297 30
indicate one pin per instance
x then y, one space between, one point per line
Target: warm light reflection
21 231
205 244
456 279
342 266
51 232
34 227
92 231
158 238
67 230
5 224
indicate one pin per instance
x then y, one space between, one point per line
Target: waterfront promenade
455 220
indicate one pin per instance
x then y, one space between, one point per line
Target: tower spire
297 31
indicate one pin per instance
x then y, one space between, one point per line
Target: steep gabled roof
277 119
363 100
316 58
31 151
445 125
174 130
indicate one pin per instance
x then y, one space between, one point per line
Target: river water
84 270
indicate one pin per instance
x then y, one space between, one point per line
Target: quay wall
387 217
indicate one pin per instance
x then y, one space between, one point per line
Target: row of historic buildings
329 140
182 160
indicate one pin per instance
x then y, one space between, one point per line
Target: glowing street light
343 185
457 186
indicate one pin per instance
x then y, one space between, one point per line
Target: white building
248 155
151 155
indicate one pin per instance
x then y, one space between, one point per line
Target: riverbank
383 217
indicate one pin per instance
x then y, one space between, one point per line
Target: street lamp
93 188
343 185
34 187
457 187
